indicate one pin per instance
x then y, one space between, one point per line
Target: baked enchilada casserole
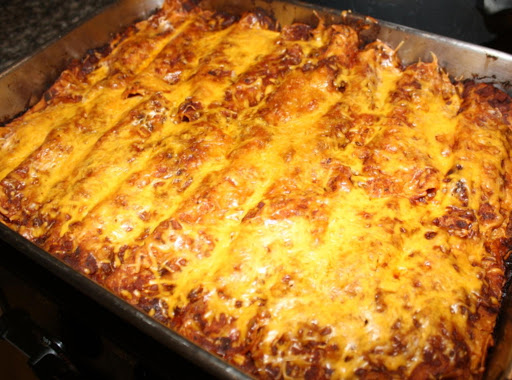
292 200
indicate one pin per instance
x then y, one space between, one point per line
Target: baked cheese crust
296 203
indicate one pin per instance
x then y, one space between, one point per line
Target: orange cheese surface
292 201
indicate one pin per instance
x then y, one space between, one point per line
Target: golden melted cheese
296 204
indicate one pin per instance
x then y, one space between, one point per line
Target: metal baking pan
24 83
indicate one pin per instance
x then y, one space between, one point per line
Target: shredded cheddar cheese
293 202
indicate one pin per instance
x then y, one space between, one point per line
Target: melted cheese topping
294 204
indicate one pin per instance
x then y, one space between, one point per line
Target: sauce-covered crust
293 202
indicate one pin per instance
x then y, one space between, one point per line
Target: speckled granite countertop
26 25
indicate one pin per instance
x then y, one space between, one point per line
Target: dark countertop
26 25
